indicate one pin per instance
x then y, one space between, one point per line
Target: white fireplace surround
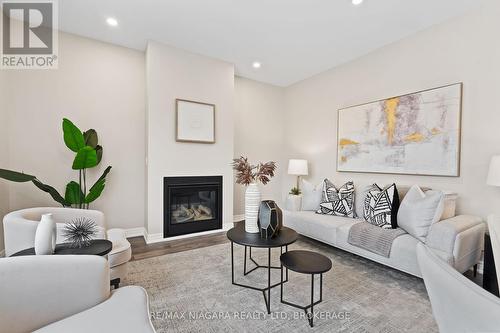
173 74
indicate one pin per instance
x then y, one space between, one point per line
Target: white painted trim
238 218
158 237
135 232
153 238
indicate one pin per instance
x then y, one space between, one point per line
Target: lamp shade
494 172
298 167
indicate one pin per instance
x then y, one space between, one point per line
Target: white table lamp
494 172
298 168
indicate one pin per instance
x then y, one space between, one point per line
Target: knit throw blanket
372 238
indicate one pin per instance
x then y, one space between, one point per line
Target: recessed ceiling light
256 64
112 21
357 2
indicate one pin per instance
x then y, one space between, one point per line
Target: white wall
4 153
259 133
99 86
465 49
173 73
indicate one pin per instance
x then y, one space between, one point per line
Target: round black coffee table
305 262
239 236
98 247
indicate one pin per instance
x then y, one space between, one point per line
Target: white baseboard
158 237
135 232
153 238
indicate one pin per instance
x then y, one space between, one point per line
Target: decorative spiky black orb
80 232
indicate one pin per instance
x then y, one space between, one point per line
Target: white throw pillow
311 195
419 210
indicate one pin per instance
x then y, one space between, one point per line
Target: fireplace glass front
192 204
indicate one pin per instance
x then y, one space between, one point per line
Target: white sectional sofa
458 240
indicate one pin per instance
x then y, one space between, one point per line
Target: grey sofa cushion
458 240
419 210
318 226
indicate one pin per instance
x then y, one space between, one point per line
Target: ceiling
293 39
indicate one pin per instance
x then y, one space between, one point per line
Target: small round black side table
490 279
306 262
238 235
98 247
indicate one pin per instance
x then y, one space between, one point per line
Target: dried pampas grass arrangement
247 173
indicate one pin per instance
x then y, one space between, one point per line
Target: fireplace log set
196 212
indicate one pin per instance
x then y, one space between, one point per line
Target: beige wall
171 74
465 49
259 133
4 153
99 86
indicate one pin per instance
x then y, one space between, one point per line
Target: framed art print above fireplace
191 204
195 121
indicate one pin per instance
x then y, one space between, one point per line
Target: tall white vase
252 203
45 236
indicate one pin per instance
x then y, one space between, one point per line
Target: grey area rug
192 292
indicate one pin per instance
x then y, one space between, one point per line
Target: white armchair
458 304
68 293
20 228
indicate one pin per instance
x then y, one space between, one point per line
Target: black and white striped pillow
381 206
338 202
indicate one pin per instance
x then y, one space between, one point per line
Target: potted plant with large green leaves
88 154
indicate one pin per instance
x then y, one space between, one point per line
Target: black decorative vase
270 219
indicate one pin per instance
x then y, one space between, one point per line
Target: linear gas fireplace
191 204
